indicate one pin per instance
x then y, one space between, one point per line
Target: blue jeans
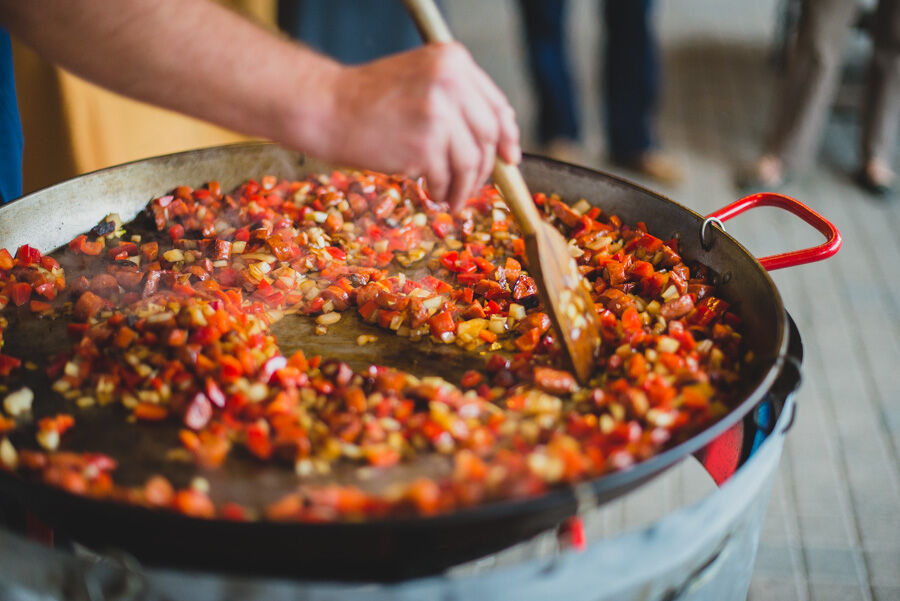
10 128
630 75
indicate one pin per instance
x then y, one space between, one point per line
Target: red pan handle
789 259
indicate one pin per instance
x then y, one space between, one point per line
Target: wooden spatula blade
570 306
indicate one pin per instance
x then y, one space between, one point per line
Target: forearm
429 112
191 56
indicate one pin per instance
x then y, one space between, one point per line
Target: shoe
876 178
766 174
655 165
564 150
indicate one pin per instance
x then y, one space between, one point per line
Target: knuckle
487 154
455 52
468 162
492 134
443 60
465 169
419 147
448 62
422 138
433 104
512 133
508 114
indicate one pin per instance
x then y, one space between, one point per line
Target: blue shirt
10 127
349 30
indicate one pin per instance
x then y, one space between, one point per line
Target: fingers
465 163
446 118
491 127
485 132
437 172
508 142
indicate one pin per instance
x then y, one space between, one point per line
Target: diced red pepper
258 441
82 245
528 341
21 292
631 320
437 285
37 306
47 290
49 263
442 224
6 260
194 503
158 492
88 305
27 255
441 324
8 363
383 456
470 379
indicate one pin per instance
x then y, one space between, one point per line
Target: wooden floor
833 527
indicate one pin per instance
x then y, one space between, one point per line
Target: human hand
428 112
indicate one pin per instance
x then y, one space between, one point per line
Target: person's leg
548 62
804 98
882 105
631 90
631 78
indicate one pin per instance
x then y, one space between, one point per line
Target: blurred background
833 527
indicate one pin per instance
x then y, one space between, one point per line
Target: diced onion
667 344
173 256
433 304
327 319
516 311
670 293
18 402
581 207
49 439
264 257
9 458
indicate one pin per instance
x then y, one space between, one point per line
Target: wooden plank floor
833 527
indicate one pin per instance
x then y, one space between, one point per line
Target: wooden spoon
564 292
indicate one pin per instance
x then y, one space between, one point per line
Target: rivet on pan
707 244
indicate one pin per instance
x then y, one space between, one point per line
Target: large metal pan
382 549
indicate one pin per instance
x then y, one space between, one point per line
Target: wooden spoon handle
429 20
433 28
512 185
